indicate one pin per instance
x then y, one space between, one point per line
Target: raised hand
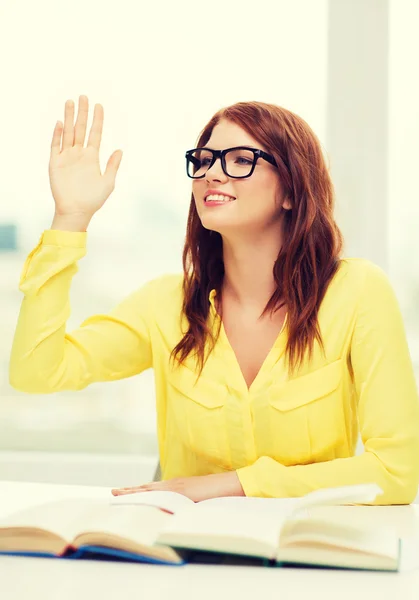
78 187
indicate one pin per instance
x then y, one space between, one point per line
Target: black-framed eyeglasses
237 162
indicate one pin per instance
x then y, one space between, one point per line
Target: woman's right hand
78 187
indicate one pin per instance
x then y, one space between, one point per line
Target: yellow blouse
283 436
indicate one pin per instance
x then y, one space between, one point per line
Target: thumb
113 165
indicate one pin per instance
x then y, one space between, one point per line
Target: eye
242 160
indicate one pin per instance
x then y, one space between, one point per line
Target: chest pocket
306 416
200 414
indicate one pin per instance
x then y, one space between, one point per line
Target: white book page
207 524
403 519
350 494
409 559
336 557
277 507
59 517
140 524
336 533
68 518
171 501
174 502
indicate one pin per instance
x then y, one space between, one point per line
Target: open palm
77 184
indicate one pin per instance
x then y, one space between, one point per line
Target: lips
218 196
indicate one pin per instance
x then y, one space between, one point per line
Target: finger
131 487
113 166
126 492
95 135
68 137
130 490
56 139
81 123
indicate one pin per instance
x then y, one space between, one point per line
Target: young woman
270 351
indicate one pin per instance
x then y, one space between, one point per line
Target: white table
25 578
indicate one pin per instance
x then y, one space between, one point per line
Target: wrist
76 222
228 484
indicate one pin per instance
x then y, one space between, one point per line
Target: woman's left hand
196 488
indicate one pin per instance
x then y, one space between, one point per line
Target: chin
215 225
223 223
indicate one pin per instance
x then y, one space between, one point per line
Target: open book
166 527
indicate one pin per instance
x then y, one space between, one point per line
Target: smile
218 198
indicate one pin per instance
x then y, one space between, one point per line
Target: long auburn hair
309 256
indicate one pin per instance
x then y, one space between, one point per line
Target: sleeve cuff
55 237
48 258
247 478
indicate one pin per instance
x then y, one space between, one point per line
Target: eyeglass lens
238 162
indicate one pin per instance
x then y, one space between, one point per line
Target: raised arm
44 357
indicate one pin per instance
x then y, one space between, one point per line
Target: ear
287 204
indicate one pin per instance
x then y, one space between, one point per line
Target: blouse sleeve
45 357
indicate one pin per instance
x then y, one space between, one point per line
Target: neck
248 270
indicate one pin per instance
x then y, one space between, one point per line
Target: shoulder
359 267
361 272
157 298
162 290
169 283
362 280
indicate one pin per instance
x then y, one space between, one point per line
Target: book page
292 506
171 501
220 529
140 524
340 534
69 518
350 494
279 507
58 517
404 520
174 502
330 556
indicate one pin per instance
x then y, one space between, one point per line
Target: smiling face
257 201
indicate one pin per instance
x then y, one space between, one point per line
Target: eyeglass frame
220 154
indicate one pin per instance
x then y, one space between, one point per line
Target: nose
216 173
